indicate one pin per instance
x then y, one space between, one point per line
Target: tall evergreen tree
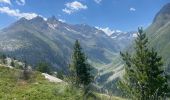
43 67
144 77
80 68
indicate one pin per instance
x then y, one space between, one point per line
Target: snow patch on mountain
109 31
52 26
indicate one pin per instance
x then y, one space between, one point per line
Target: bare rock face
52 78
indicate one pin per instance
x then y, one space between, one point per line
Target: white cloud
17 13
76 5
5 1
72 7
98 1
68 11
62 20
109 31
132 9
20 2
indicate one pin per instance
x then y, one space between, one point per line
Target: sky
107 15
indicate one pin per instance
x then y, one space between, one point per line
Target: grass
12 87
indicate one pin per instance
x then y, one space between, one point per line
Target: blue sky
124 15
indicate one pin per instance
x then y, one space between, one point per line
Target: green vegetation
146 70
26 74
144 77
12 63
59 74
159 33
36 88
43 67
80 69
12 87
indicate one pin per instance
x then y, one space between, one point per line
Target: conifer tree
144 77
80 69
43 67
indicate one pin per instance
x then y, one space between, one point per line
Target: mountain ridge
52 40
159 33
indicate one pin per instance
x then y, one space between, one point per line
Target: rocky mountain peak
37 19
53 20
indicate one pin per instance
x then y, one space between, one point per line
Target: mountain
159 33
52 41
124 38
159 37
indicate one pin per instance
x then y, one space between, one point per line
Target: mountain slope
159 37
159 33
52 41
37 88
124 38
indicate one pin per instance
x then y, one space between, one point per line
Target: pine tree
43 67
144 77
80 69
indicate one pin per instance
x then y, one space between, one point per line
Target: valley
40 60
